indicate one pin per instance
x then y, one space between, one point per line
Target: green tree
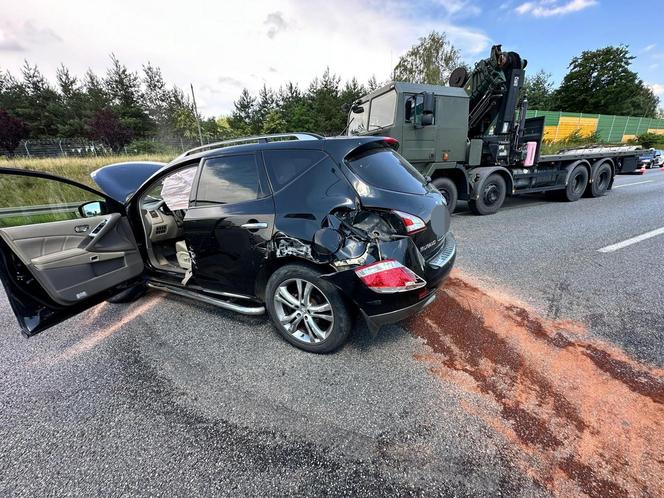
265 105
325 104
71 119
601 81
274 123
431 61
37 103
155 97
538 89
242 118
124 90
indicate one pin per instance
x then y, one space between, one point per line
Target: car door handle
81 228
254 225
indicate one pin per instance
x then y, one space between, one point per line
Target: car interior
163 208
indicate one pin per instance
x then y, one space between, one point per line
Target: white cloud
657 88
547 8
275 22
650 47
461 7
230 44
18 36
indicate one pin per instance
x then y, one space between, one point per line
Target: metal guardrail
8 212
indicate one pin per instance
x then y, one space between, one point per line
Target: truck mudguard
477 177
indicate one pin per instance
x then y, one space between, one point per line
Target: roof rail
254 139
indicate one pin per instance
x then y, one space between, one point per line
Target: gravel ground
166 396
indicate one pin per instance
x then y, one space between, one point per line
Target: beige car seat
181 252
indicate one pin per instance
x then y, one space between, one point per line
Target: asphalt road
547 254
165 396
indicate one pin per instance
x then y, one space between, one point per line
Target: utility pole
198 121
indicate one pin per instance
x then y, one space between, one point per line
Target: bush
151 147
650 140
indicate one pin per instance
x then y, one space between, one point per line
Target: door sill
198 296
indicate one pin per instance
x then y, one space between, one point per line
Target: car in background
647 159
659 158
316 231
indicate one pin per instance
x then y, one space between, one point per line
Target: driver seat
182 254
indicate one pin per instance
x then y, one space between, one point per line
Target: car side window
283 166
227 180
27 200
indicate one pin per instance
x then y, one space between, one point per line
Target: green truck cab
473 140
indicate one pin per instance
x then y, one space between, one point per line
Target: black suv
316 230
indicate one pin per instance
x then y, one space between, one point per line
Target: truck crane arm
493 88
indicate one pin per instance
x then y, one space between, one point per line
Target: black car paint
121 179
229 258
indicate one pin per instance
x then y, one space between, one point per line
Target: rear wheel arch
457 176
274 264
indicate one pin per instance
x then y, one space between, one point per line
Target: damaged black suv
316 230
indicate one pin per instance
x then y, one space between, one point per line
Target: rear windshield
384 168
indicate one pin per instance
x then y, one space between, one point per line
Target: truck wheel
577 183
448 190
491 197
601 181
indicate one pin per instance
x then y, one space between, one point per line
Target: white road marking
633 240
634 183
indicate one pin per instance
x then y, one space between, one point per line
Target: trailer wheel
601 181
577 183
448 190
491 197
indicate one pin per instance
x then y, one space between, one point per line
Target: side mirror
427 119
90 209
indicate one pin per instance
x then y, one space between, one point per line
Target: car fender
478 176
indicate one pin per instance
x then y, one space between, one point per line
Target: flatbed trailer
476 145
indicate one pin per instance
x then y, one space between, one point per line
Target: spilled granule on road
584 418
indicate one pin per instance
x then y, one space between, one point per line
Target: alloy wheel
303 310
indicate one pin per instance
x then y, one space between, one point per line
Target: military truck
473 140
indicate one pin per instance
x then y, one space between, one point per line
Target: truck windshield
381 113
384 168
357 121
378 113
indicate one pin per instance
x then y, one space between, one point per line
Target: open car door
64 247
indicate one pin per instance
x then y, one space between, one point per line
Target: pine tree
243 113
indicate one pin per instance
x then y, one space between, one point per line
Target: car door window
228 180
27 200
284 166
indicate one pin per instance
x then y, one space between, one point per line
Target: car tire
494 190
448 190
601 180
129 295
577 183
304 331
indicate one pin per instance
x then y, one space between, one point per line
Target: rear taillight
392 142
411 222
389 276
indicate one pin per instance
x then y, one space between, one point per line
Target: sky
221 46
